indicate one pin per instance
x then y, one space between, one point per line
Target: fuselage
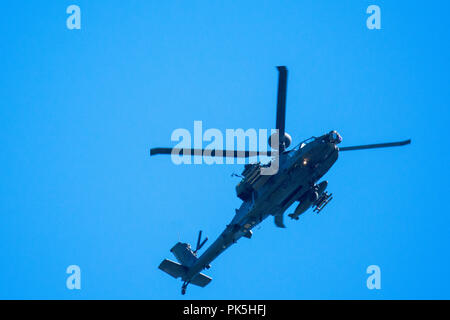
299 170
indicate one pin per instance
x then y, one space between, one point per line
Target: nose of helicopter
320 152
325 156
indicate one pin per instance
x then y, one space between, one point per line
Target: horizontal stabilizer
201 280
176 270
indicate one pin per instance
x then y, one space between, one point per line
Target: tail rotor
200 243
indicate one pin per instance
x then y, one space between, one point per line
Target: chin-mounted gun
323 200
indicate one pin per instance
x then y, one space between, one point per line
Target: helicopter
296 179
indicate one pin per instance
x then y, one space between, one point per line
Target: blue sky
80 110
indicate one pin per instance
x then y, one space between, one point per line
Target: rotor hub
285 141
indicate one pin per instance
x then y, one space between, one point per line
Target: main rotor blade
203 243
281 102
212 153
378 145
198 240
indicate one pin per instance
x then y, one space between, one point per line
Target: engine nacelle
306 201
301 208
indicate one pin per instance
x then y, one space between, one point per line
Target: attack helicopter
295 179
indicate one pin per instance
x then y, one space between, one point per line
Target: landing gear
183 287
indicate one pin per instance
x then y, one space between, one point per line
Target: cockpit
332 137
